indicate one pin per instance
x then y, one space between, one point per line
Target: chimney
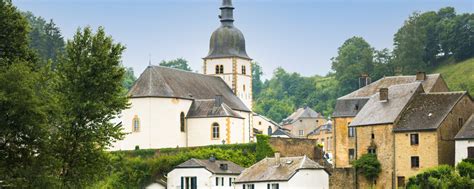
277 158
223 166
383 94
420 76
218 100
364 80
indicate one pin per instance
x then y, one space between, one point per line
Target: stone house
465 141
204 173
323 136
348 106
303 121
285 172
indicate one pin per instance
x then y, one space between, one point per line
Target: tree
178 63
369 166
263 148
13 35
443 176
91 96
256 79
129 78
45 37
355 57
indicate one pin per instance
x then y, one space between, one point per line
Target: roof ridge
445 93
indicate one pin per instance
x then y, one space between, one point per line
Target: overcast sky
298 35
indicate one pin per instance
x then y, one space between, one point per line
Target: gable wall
342 141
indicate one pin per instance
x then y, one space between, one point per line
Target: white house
208 173
175 108
465 141
264 124
287 172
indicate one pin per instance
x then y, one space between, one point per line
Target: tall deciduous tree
129 78
355 57
92 96
178 63
256 79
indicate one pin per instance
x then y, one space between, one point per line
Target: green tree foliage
442 177
355 57
129 78
91 96
263 147
257 83
178 63
45 37
466 168
13 35
369 166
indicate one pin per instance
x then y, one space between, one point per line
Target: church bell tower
227 57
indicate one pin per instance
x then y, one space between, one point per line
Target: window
259 123
470 152
244 71
230 181
460 122
182 122
351 154
217 69
414 139
135 124
415 162
372 136
215 131
372 151
273 186
243 87
249 186
401 182
356 108
188 182
301 132
222 181
221 69
351 131
217 181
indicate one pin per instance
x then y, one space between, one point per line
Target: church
174 108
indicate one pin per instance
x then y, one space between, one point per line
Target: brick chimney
383 94
420 76
364 80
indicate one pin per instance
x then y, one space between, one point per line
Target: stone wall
342 178
296 147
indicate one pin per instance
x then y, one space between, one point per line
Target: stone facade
342 178
292 147
325 138
342 142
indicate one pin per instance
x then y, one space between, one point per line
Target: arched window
215 131
217 69
182 122
222 69
243 87
244 71
135 124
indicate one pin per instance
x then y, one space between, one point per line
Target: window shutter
182 182
193 183
470 152
268 186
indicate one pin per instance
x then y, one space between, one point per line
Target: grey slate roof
349 107
427 111
346 105
280 132
467 130
325 127
301 113
157 81
207 108
385 112
268 169
386 82
212 166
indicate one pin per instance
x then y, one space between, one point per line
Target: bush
466 169
443 176
263 149
368 165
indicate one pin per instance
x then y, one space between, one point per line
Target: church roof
209 108
227 40
157 81
427 111
467 130
377 112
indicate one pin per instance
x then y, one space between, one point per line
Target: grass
459 76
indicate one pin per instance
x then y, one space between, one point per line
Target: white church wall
200 131
159 123
248 125
244 80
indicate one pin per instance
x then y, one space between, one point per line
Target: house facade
303 121
264 124
323 136
286 172
465 141
175 108
204 173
